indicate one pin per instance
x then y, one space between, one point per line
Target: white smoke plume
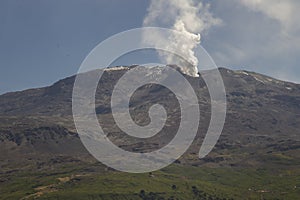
189 18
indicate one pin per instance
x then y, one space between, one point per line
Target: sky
44 41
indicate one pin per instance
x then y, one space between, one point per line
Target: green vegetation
173 182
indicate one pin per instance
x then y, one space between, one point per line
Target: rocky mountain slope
263 121
256 157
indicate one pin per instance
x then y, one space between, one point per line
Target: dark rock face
263 120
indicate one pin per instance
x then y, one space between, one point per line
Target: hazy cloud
258 35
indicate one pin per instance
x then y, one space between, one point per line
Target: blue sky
44 41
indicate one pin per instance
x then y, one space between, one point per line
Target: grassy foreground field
174 182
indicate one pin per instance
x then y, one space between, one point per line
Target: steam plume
189 18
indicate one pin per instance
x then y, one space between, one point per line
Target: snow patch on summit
116 68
